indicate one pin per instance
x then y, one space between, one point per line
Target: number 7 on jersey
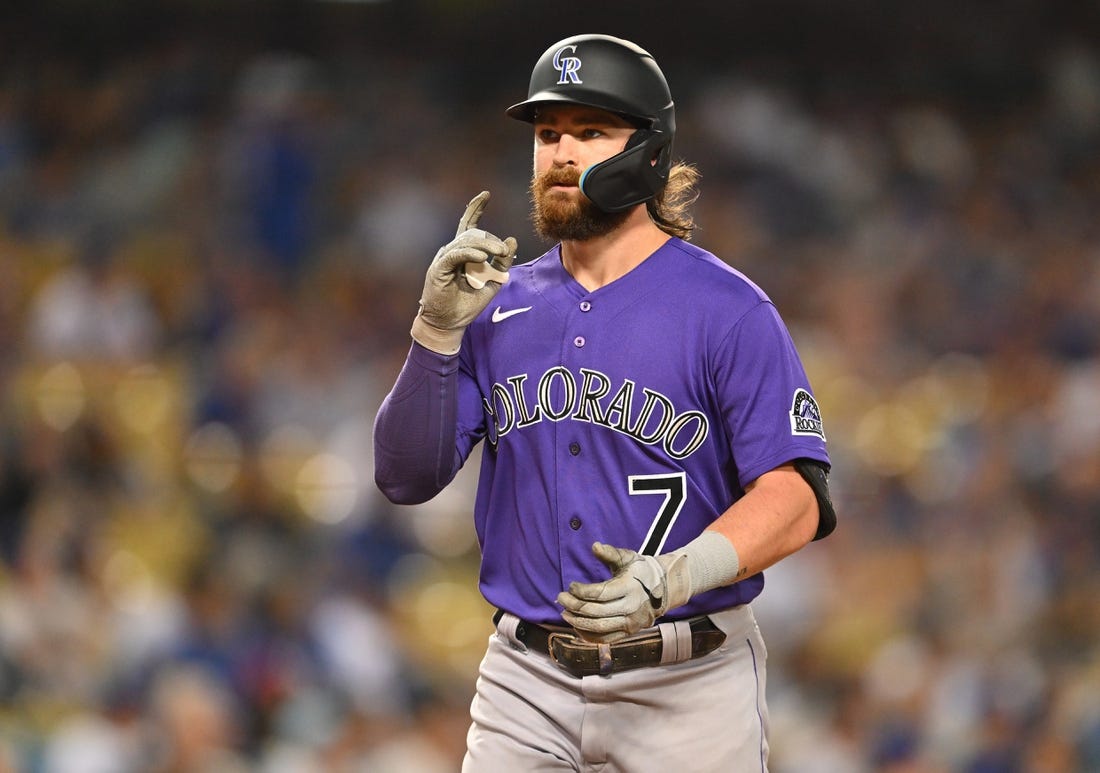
674 489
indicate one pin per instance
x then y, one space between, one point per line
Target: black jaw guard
630 177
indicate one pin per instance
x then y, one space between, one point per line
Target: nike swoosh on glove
640 590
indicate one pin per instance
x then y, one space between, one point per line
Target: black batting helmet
618 76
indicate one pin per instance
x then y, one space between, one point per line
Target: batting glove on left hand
641 589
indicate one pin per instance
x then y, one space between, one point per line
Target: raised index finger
473 212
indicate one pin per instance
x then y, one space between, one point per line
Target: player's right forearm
414 431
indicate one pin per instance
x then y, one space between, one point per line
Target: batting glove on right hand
454 292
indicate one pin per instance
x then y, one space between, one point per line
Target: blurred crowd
208 266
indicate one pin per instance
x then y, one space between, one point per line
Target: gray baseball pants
703 715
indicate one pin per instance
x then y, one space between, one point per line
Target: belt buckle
551 640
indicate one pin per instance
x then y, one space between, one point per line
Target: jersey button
586 306
574 448
578 341
574 523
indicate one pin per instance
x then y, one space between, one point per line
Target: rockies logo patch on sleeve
805 415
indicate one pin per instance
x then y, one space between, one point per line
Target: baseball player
652 443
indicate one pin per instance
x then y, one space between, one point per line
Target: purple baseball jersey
632 415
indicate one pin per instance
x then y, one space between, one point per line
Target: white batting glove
638 592
643 588
454 294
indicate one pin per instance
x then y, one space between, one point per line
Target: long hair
669 209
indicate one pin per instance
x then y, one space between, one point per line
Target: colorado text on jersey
557 396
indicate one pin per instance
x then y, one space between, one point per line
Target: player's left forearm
777 516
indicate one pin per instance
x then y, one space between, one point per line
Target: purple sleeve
771 416
414 432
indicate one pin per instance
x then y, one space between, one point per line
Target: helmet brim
528 109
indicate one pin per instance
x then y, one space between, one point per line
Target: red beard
561 215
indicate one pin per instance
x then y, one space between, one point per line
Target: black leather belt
584 658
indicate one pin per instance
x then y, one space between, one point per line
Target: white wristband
712 561
440 341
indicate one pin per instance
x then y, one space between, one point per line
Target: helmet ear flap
631 176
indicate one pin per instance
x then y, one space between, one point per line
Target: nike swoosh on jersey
653 600
500 316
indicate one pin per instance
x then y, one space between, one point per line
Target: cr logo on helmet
568 66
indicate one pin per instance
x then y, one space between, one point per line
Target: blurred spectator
93 309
